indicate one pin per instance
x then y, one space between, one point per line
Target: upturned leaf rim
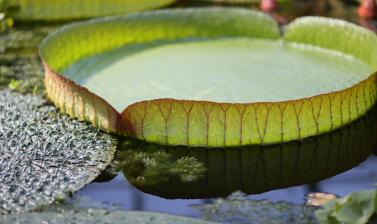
205 123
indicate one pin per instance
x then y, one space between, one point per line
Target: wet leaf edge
204 123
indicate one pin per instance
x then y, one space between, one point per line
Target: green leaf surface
234 70
334 34
31 10
356 208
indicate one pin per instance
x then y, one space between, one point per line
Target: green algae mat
212 77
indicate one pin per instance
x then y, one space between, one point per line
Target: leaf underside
205 123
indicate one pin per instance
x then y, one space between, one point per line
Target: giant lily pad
182 172
45 156
212 77
27 10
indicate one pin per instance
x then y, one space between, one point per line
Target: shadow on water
193 173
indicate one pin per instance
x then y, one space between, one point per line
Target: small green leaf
356 208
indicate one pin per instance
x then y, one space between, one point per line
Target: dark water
120 191
170 179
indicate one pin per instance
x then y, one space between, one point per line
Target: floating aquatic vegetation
40 10
355 208
238 208
23 74
150 166
182 172
45 156
24 40
85 210
98 216
231 79
5 23
20 67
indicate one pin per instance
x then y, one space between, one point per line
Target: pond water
119 191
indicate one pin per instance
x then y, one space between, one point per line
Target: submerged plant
151 166
212 77
5 22
30 86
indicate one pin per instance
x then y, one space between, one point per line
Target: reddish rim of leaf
205 123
